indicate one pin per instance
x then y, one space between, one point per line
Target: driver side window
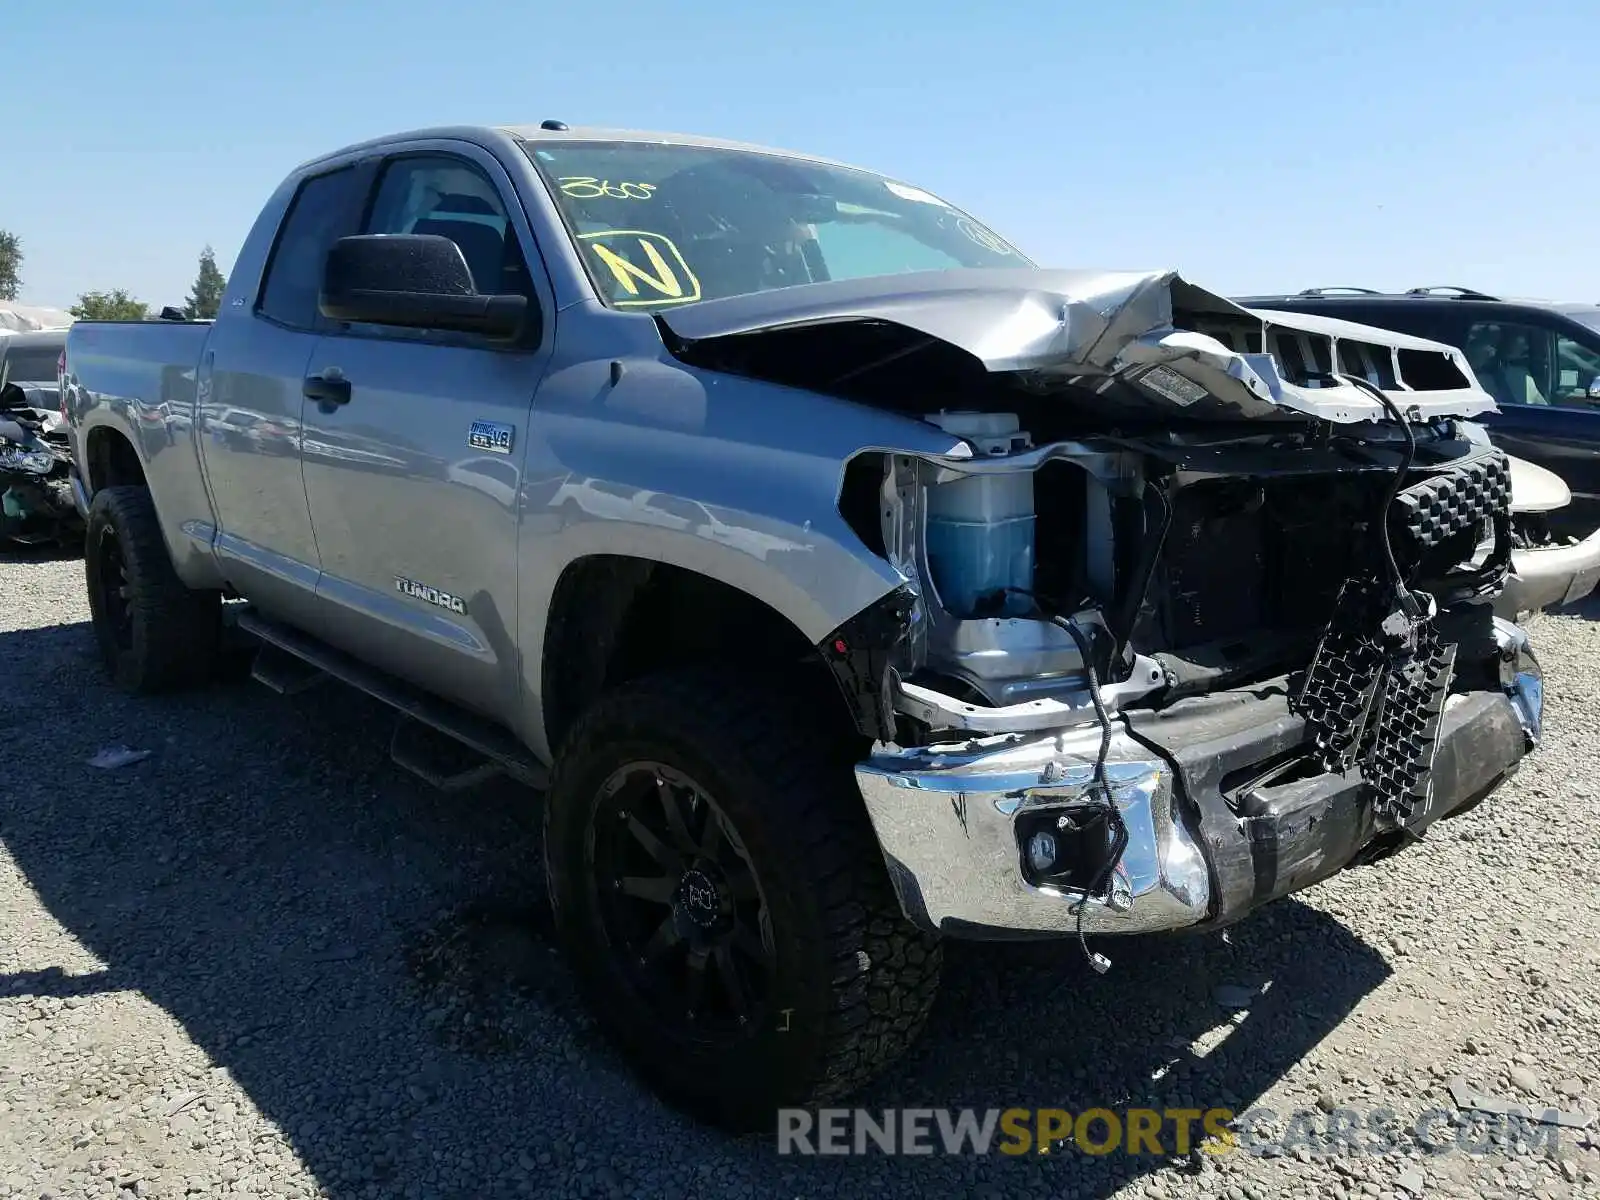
451 197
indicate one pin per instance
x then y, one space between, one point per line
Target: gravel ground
263 960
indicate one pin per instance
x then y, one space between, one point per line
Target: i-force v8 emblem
421 591
492 436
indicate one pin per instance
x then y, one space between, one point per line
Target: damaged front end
1550 564
35 495
1199 611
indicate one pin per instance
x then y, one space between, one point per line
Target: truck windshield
662 224
30 364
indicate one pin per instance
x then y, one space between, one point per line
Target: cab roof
533 134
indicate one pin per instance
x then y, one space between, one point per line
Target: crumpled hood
1173 344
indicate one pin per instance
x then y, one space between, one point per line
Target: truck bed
141 377
149 363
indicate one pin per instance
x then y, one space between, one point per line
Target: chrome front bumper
1549 577
950 818
946 817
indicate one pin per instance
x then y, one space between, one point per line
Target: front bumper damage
1550 576
1205 845
1161 490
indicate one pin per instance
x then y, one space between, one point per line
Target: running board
439 759
283 672
470 730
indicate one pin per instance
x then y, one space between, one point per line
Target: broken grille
1336 697
1369 706
1374 704
1403 734
1461 496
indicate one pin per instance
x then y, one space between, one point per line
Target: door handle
327 390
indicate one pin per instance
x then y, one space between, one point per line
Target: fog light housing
1069 849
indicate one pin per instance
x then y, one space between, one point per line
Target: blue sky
1252 145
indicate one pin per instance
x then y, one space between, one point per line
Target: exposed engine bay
1188 563
1088 582
1175 537
1191 494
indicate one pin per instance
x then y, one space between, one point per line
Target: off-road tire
171 636
854 980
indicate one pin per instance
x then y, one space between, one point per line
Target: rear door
1539 373
250 401
415 480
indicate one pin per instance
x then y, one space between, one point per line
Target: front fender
729 478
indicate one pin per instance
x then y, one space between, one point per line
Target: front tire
718 890
154 633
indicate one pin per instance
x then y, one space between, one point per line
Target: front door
413 451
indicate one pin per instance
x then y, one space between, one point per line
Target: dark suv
1540 360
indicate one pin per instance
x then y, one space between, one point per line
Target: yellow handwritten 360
587 187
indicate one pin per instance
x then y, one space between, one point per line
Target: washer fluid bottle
980 527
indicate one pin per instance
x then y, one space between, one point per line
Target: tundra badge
421 591
491 436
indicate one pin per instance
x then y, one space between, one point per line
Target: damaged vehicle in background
851 582
1549 566
36 505
1540 360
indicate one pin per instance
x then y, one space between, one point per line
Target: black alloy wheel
717 889
680 900
154 632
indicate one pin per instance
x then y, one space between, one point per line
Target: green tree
205 298
10 265
114 305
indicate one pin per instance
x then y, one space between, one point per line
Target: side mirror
1594 389
413 281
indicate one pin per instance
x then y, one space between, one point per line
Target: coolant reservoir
980 528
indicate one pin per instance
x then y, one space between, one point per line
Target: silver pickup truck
843 580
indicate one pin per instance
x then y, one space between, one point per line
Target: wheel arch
613 618
111 460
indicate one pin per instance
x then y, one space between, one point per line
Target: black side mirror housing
413 281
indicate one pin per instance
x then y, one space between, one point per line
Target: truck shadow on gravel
369 961
41 552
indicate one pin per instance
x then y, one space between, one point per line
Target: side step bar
488 740
283 672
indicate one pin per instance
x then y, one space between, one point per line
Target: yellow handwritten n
664 280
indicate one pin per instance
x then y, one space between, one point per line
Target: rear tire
811 979
154 633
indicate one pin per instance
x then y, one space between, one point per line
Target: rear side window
321 212
1515 363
